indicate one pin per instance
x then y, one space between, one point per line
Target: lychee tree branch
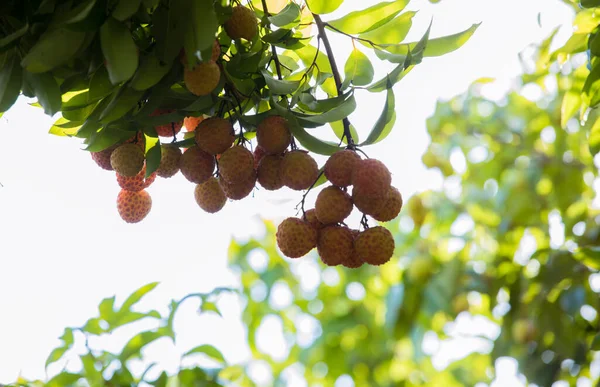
336 74
273 49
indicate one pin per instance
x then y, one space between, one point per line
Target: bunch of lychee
323 227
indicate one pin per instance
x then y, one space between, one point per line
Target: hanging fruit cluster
128 75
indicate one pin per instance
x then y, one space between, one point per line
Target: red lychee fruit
210 196
133 206
390 208
127 160
335 245
295 237
367 204
375 245
216 51
352 261
136 183
339 166
102 158
311 217
333 205
238 191
214 135
298 170
202 79
196 165
259 153
273 134
236 164
268 172
241 24
170 129
372 178
190 123
170 158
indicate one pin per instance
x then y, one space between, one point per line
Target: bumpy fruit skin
391 206
202 79
191 122
214 135
216 51
333 205
236 164
339 166
372 178
353 261
311 217
238 191
335 245
268 172
259 153
295 237
298 170
241 24
170 159
210 196
136 183
273 134
375 245
127 160
102 158
196 165
167 130
367 204
133 206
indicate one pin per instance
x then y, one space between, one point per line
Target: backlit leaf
368 19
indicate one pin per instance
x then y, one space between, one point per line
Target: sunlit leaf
119 50
384 124
288 17
392 32
358 22
207 350
358 69
323 6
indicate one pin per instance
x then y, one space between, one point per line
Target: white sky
63 246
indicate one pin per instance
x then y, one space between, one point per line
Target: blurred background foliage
503 261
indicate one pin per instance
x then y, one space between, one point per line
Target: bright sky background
63 246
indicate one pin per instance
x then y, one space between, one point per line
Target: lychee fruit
273 134
339 166
202 79
170 158
170 129
127 160
375 245
311 217
367 204
352 261
241 24
259 153
236 164
196 165
238 191
216 51
333 205
298 170
192 122
335 244
268 172
133 206
372 178
295 237
214 135
136 183
210 196
390 208
102 158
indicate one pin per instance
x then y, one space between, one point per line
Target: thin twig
373 44
336 75
273 49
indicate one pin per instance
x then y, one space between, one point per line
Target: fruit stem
273 49
307 191
336 75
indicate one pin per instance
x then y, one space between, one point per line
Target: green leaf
289 17
63 379
358 69
594 134
54 48
100 84
56 355
590 3
339 112
64 127
119 50
309 103
46 90
447 44
392 32
207 350
368 19
139 341
79 13
9 40
386 119
137 295
107 308
280 87
322 7
589 256
595 343
169 25
338 130
308 54
11 78
123 101
394 77
125 9
208 306
203 24
149 73
153 156
570 105
591 87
